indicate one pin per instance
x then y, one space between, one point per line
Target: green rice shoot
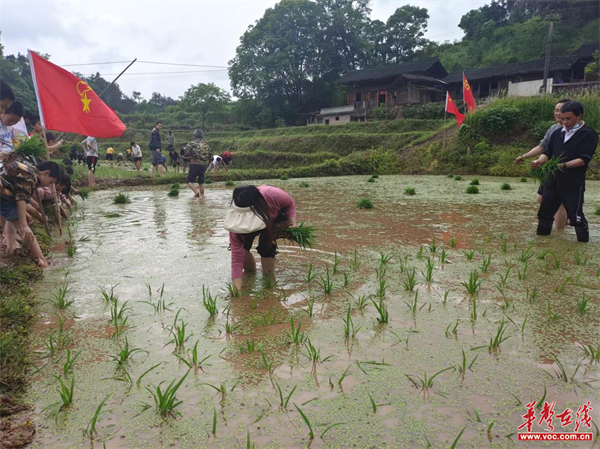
543 173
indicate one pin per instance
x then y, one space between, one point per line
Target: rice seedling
269 366
410 282
473 284
445 298
523 180
117 314
597 210
452 328
284 400
463 367
294 334
504 278
505 186
84 193
580 260
381 308
304 184
303 235
229 326
161 305
526 254
210 181
557 261
499 338
173 193
561 373
473 313
582 304
413 304
420 253
269 318
443 256
210 303
425 382
119 327
71 247
326 282
310 275
350 330
307 422
90 430
250 346
456 440
531 295
469 254
344 375
552 316
410 191
362 302
165 401
592 353
428 273
125 354
485 263
381 288
230 183
122 198
314 354
233 290
458 178
57 339
70 362
561 288
109 296
32 147
269 281
346 279
544 172
336 262
474 182
193 360
365 203
66 397
452 242
522 274
310 306
59 297
355 263
371 179
472 190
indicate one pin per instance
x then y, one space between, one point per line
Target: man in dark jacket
575 144
155 149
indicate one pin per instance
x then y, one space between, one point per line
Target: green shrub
371 179
284 177
472 189
375 176
230 183
122 198
174 192
304 184
523 180
410 191
482 147
475 182
365 203
597 211
175 187
208 181
505 186
458 178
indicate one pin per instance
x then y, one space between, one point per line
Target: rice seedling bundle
543 173
303 235
32 147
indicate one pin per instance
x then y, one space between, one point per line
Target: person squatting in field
575 144
560 219
254 212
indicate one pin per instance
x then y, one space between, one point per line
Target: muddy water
180 242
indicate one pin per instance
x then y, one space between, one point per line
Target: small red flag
468 97
452 109
68 104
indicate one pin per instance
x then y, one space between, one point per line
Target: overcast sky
184 32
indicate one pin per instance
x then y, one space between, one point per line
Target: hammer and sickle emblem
82 90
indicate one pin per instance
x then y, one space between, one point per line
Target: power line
147 62
165 73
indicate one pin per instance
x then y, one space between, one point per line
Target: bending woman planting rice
253 213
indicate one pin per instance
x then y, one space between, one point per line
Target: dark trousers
267 245
572 199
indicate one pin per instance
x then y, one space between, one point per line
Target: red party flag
452 109
468 97
68 104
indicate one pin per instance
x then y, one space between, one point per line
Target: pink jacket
277 200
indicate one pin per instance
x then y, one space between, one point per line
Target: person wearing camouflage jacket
200 156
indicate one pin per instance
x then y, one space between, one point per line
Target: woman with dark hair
253 213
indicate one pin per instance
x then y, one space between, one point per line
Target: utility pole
547 63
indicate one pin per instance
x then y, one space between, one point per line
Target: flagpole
445 116
115 80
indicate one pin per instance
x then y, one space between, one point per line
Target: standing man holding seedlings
137 155
560 219
156 150
253 213
575 144
90 148
199 155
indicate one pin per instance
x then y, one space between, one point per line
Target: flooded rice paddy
363 384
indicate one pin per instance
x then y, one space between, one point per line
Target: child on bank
8 118
18 181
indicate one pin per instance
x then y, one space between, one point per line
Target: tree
405 32
205 98
137 96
